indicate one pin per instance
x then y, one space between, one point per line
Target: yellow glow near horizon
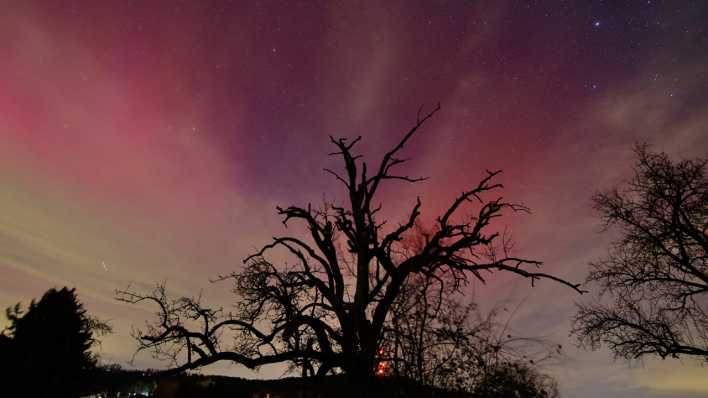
676 379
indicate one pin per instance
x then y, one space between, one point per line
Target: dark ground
188 386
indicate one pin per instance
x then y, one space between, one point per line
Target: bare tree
436 340
656 273
327 311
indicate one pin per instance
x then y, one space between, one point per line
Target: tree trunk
360 376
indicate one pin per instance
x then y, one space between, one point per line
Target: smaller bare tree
657 271
436 340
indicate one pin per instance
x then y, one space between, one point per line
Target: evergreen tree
49 346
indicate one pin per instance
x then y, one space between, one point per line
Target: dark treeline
121 383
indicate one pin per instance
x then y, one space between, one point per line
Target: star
596 24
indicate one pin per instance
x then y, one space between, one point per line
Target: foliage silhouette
327 312
656 273
515 380
48 347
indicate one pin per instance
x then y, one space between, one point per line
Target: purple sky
157 137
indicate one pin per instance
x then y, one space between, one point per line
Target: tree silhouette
436 340
328 310
656 273
431 337
49 346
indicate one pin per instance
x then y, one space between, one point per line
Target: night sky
143 141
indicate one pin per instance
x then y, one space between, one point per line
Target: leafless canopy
327 310
656 272
436 340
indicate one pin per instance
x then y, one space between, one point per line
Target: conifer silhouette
48 348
